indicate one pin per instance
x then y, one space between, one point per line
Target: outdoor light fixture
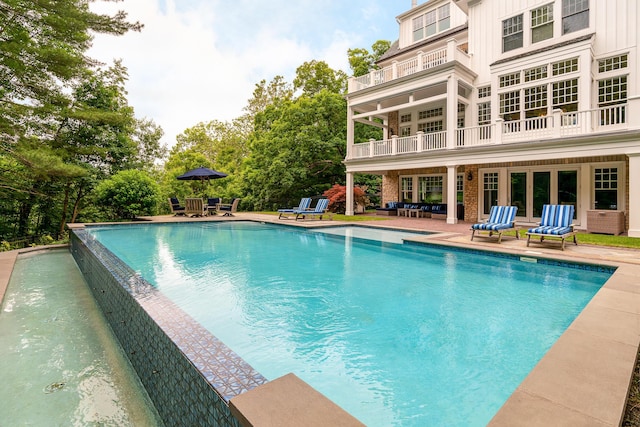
470 176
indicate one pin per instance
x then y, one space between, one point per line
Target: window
565 95
509 79
405 131
432 22
535 101
613 63
430 127
510 105
564 67
575 15
512 33
542 23
612 91
537 73
434 112
490 191
430 189
405 118
484 118
418 28
612 95
606 188
406 189
484 92
460 188
444 18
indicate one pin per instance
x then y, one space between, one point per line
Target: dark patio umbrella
201 174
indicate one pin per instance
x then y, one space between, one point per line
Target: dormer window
431 23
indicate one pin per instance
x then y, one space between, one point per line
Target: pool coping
584 378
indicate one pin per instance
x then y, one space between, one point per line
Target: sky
199 60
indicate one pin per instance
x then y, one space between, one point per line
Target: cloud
199 60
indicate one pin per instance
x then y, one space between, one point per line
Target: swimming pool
395 334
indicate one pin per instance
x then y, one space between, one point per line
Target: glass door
519 192
541 191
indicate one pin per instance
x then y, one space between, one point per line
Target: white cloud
199 60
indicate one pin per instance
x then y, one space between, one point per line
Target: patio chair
305 202
175 207
212 205
556 222
501 219
194 207
228 208
319 210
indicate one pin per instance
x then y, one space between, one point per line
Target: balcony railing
535 129
420 62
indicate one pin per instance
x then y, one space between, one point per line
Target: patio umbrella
201 174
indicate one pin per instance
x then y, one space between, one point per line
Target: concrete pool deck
584 378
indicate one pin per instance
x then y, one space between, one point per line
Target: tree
128 194
314 76
361 61
296 150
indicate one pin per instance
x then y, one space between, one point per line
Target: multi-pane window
606 188
460 188
510 105
484 92
432 22
542 23
613 63
575 15
564 67
430 189
512 33
509 79
565 95
405 131
406 189
535 101
612 91
434 112
405 118
490 191
484 113
536 73
430 127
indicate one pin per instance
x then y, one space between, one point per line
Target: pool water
396 334
60 364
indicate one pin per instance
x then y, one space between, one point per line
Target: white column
349 195
452 110
452 199
634 195
350 131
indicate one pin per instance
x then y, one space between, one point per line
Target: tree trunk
65 206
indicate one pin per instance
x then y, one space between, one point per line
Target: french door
529 190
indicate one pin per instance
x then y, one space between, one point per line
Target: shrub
337 196
128 194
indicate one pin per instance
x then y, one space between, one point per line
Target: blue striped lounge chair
556 222
305 202
501 219
319 210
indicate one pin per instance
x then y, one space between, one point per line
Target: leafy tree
42 67
362 61
314 76
128 194
296 151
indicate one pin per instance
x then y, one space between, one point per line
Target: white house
519 102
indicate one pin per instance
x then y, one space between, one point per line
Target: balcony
558 125
420 62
